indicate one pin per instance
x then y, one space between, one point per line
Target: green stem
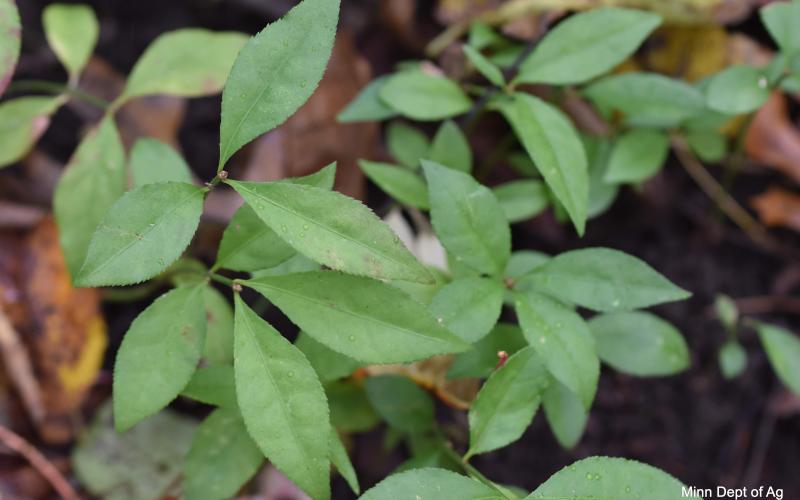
475 473
220 279
56 89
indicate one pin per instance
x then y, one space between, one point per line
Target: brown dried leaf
773 140
778 207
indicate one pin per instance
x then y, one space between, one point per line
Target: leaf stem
475 473
56 89
221 279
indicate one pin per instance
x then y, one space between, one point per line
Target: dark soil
697 426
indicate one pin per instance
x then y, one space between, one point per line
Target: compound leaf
361 318
142 234
158 355
275 73
333 230
282 402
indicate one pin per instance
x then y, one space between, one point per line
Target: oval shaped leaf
587 45
402 403
189 62
639 343
341 460
213 385
469 307
507 402
783 351
332 229
451 148
608 477
219 334
365 319
553 143
93 180
222 458
732 359
425 97
468 219
484 66
637 156
562 339
275 73
22 122
781 20
329 364
737 90
430 484
71 31
400 183
521 200
647 99
282 402
481 360
406 144
142 234
158 355
10 38
565 414
367 106
605 280
152 162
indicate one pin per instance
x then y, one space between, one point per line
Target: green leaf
400 183
587 45
732 359
93 180
332 229
450 148
222 458
10 38
738 90
601 193
341 460
152 162
142 234
727 312
158 355
250 245
22 122
468 307
708 144
639 343
610 478
367 106
602 279
565 414
275 73
521 200
468 219
647 99
523 262
282 402
213 385
189 62
562 339
430 484
362 318
329 364
781 20
783 352
425 97
484 66
72 31
507 402
637 156
406 144
481 360
552 142
351 411
219 332
401 402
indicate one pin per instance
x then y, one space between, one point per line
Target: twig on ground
19 368
39 462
